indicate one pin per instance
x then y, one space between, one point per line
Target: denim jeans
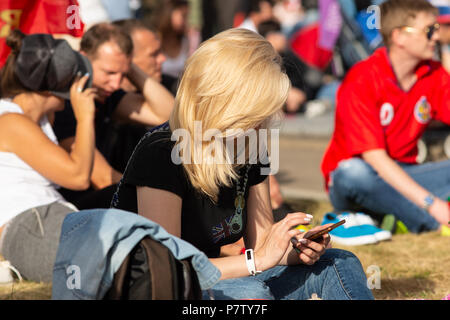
338 275
355 185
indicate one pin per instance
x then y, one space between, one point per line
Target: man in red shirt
383 107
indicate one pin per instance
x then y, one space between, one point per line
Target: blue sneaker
351 233
380 234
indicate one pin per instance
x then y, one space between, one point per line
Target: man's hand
440 211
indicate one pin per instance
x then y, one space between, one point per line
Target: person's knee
339 255
353 173
346 272
343 258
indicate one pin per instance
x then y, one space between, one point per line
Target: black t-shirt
206 225
65 122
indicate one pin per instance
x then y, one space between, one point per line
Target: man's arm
152 107
395 176
103 175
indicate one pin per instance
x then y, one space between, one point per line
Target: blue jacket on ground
94 243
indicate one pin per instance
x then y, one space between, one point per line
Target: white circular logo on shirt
386 114
422 111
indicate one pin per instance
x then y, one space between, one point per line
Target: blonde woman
202 193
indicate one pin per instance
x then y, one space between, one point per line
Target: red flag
38 16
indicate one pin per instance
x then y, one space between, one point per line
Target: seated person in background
383 108
147 54
233 83
444 35
256 11
312 90
271 30
110 50
173 26
39 74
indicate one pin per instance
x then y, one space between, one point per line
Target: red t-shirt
373 112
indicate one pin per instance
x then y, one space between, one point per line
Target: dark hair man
110 51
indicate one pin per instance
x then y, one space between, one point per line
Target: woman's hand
311 251
82 100
278 240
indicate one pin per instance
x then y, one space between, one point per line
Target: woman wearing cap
39 73
233 83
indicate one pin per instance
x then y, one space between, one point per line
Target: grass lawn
411 266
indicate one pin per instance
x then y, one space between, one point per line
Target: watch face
429 200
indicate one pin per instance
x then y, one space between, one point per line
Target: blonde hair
234 81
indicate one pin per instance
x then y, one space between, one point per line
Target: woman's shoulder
154 148
158 137
13 126
152 165
15 121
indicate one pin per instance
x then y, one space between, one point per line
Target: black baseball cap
48 64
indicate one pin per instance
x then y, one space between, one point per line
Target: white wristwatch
250 260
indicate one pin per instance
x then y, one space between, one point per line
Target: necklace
239 204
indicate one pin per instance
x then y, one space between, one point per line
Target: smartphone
316 235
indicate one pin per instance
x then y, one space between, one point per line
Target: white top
22 187
249 25
175 66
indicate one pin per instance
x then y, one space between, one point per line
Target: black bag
151 272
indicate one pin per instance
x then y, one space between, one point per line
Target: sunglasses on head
429 30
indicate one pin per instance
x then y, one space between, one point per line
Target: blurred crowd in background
319 39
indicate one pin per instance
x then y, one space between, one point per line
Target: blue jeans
338 275
356 186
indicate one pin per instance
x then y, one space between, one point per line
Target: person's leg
239 289
338 275
31 241
355 184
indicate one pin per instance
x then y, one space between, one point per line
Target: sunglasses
429 31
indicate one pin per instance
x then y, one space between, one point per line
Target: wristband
250 260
